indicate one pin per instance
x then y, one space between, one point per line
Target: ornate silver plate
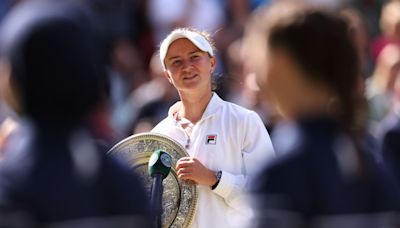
179 196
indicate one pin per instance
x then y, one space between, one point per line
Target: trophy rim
137 159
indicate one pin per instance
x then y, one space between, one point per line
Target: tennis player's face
187 67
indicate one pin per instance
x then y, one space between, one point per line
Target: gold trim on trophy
179 196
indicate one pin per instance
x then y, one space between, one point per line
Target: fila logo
211 140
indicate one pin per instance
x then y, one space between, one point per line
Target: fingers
184 171
185 168
188 168
187 177
185 162
185 159
185 174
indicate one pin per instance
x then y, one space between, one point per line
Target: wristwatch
218 175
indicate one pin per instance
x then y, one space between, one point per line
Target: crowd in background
139 97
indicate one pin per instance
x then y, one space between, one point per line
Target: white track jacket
227 138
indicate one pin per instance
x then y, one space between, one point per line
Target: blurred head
312 62
390 20
157 72
155 68
256 32
50 68
188 59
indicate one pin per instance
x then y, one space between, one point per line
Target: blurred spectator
53 78
236 14
127 73
123 19
156 97
165 15
327 175
10 131
381 84
389 26
241 88
254 60
126 35
7 129
145 104
238 90
371 11
9 126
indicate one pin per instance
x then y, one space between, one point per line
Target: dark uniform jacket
325 180
60 178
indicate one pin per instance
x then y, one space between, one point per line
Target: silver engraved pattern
179 196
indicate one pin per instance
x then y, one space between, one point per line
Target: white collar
212 108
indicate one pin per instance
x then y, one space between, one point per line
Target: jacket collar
212 108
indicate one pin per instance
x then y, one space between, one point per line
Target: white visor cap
197 39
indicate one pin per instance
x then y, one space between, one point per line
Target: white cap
197 39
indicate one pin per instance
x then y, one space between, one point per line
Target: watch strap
218 176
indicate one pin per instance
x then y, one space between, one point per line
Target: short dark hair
53 53
321 44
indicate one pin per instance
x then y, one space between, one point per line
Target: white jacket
227 138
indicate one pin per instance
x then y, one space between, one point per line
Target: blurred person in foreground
51 76
326 176
253 59
227 143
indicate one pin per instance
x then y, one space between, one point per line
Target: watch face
219 174
166 159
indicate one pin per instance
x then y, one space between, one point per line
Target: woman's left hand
189 168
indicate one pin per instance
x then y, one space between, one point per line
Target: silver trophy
179 196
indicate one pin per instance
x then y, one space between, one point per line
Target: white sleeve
256 151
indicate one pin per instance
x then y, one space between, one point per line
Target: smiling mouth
190 77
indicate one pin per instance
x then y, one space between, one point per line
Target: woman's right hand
189 168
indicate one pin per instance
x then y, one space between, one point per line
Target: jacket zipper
188 140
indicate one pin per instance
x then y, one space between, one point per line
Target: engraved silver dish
179 196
